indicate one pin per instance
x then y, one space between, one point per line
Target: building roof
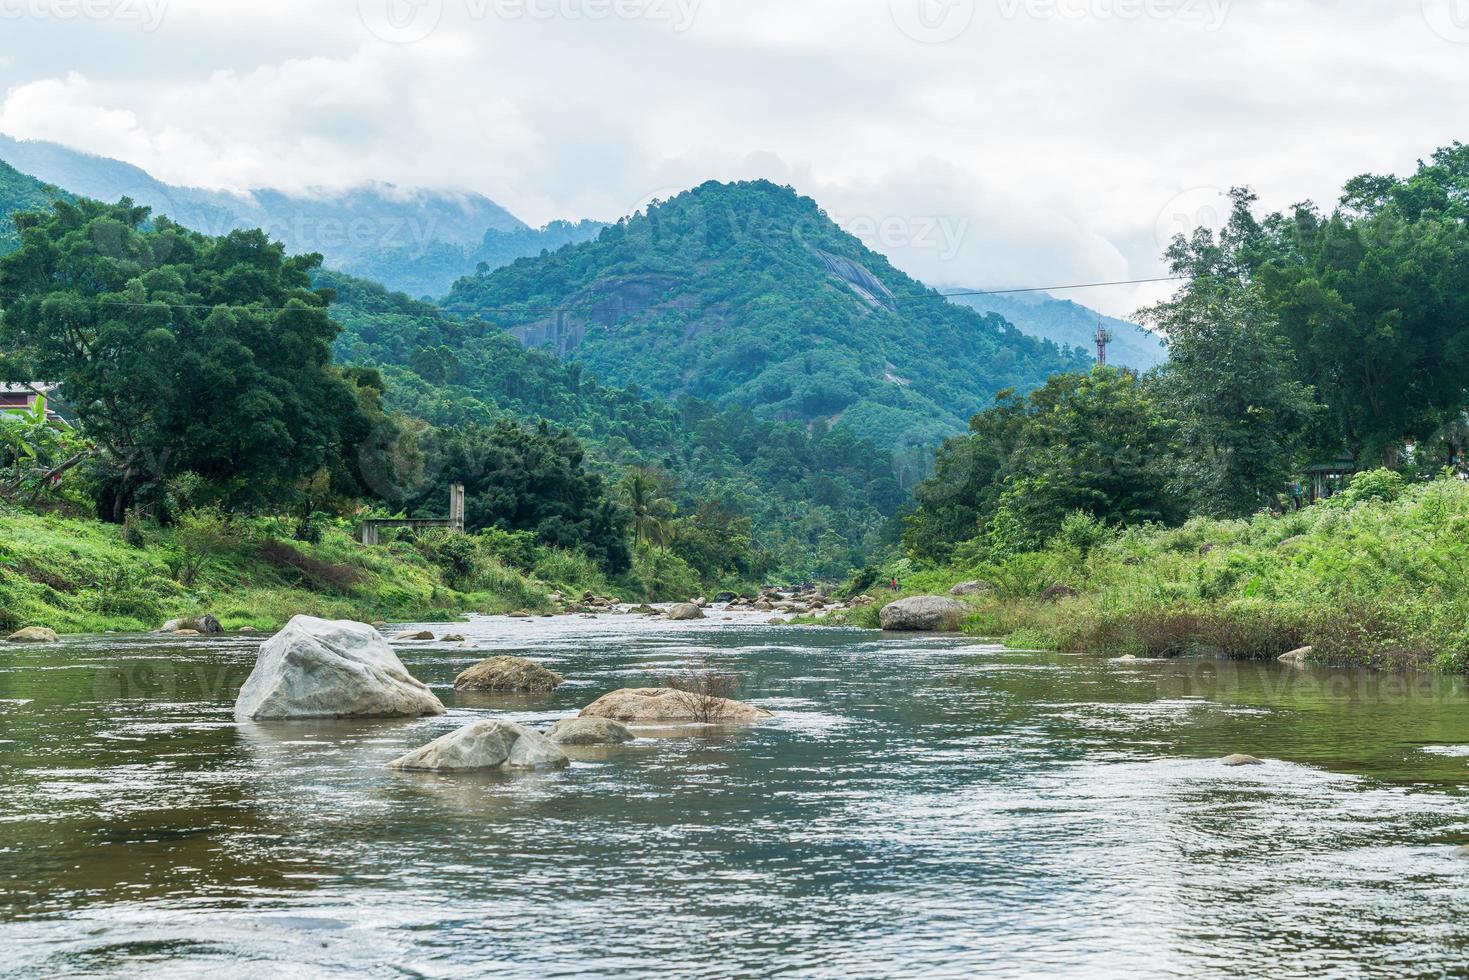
28 387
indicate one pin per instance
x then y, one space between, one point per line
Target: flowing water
918 806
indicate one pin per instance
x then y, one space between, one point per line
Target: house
23 396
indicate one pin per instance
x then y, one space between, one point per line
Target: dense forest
19 192
819 497
748 295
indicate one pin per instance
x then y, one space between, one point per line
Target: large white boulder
315 668
923 614
485 745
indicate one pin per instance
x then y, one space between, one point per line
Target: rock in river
589 731
319 669
663 705
1242 760
508 674
485 745
922 614
33 634
684 611
410 636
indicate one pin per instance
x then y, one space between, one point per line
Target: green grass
1377 577
81 576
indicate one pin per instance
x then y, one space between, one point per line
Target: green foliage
1231 385
526 478
817 498
749 295
1374 485
20 193
83 576
1379 578
1371 299
180 352
658 574
1096 444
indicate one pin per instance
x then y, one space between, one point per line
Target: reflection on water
918 805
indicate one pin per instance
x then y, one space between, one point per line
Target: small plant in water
702 689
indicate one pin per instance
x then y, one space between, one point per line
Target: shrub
325 574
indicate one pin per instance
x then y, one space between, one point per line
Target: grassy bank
1377 576
81 576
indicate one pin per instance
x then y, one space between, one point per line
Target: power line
1057 289
551 310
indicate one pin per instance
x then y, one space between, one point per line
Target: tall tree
180 353
526 478
1230 381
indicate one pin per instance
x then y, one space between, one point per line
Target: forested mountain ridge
819 499
415 240
1069 323
748 295
19 192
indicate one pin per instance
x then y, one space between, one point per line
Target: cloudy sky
997 143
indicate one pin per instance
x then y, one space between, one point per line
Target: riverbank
81 576
1378 576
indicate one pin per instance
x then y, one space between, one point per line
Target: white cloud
1047 143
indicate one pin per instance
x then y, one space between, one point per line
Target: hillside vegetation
748 295
1186 505
1377 576
818 499
19 192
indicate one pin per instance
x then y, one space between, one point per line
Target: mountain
1067 323
417 240
431 271
749 295
19 192
819 499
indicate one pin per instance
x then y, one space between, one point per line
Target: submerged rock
1242 760
662 705
922 614
205 625
684 612
482 746
315 668
34 634
508 674
453 638
589 731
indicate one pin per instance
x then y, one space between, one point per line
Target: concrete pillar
456 508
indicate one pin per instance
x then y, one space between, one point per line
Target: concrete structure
369 531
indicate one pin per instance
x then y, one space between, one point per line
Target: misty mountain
1067 323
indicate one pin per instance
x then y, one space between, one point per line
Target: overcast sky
989 142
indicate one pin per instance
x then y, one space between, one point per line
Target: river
918 805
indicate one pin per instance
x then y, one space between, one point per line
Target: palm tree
644 491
